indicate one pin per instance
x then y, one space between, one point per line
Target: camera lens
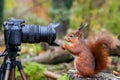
35 33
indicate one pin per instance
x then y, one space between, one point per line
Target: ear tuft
82 26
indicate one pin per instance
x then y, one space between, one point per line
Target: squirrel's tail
100 45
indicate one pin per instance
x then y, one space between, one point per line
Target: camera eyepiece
17 32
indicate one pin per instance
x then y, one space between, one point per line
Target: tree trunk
1 12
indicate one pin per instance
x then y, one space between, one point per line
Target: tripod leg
2 72
7 74
8 66
12 72
19 65
23 75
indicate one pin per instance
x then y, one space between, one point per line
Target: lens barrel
35 34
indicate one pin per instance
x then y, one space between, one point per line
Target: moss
33 71
64 77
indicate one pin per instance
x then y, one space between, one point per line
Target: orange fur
90 56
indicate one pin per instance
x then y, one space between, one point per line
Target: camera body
16 32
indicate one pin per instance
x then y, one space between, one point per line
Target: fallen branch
52 56
51 75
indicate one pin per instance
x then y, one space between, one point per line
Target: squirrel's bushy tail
100 45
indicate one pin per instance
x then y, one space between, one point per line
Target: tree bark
100 76
52 56
51 75
1 13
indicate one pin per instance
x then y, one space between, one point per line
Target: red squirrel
91 55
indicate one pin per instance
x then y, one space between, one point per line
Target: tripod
7 69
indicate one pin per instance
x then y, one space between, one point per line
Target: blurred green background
100 14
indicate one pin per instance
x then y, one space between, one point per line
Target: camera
16 32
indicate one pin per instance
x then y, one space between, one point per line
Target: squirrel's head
75 35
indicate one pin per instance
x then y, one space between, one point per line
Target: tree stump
100 76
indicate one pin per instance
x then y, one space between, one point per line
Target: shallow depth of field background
101 15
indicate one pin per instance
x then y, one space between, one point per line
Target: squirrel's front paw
63 46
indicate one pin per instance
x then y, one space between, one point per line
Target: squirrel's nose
66 38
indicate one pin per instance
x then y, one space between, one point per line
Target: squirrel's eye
71 35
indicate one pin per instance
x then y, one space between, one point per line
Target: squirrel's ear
82 26
79 34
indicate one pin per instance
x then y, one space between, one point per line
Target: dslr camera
16 32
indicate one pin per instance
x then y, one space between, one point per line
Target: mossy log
54 55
